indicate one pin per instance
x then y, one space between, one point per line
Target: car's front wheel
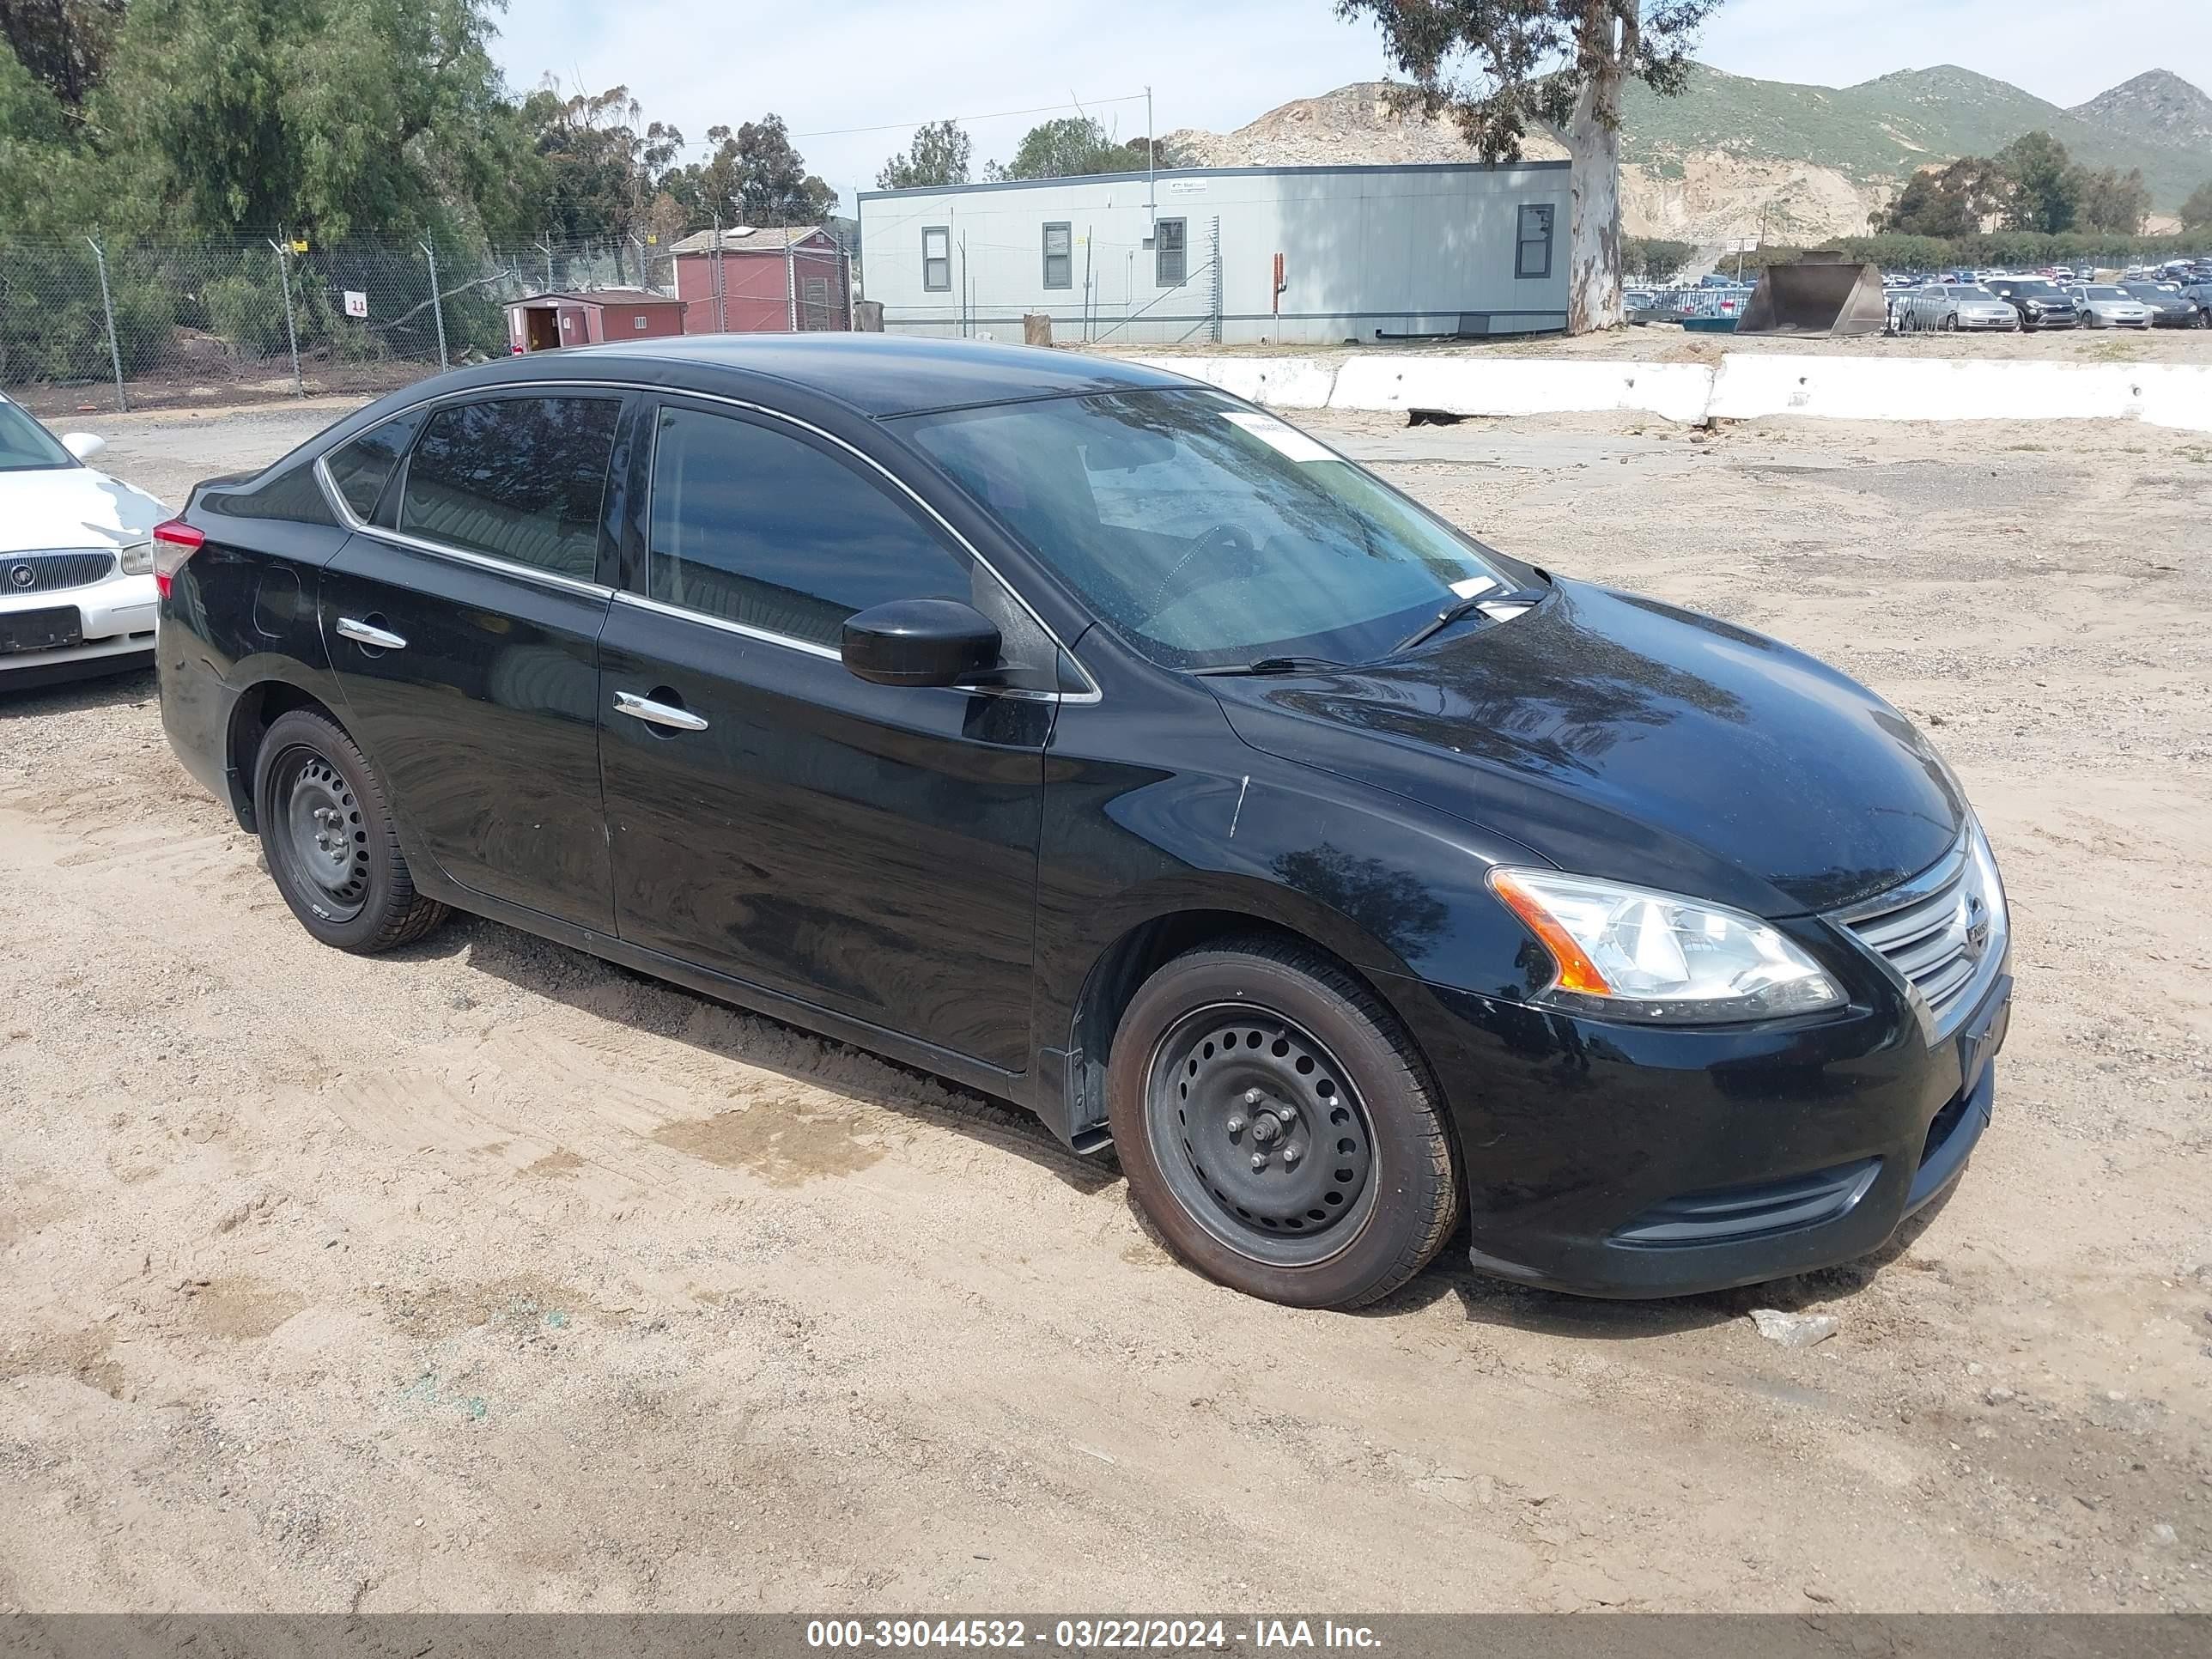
1278 1127
327 833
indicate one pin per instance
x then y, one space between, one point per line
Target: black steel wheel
323 840
1278 1127
328 836
1277 1151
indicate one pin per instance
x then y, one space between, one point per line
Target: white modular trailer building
1196 254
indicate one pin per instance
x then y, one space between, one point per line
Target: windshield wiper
1274 665
1459 611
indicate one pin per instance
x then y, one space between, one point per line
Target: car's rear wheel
1277 1127
327 833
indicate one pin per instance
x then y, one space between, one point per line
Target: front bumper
116 616
1617 1161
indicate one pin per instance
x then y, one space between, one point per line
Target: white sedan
77 559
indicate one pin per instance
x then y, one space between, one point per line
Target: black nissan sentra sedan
1102 742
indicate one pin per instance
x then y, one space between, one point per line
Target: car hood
73 506
1620 737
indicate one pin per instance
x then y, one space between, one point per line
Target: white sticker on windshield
1473 586
1285 440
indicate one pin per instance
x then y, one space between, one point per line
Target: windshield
2032 290
2104 292
1209 534
1975 294
25 446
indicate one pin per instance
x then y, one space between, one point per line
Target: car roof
882 375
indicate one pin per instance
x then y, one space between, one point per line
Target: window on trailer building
937 259
1058 255
1170 262
1533 250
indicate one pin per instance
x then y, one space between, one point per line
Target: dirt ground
1667 343
485 1275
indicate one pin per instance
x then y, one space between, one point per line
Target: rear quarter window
362 468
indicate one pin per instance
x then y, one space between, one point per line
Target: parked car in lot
2040 304
1094 739
2107 304
2200 296
76 563
2169 306
1946 306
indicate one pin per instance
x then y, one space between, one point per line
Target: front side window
1532 254
1170 256
1058 255
523 479
937 259
758 527
1207 533
27 447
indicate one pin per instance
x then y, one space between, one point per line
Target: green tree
1500 67
1074 146
594 178
2111 200
1951 201
2045 187
63 44
237 116
938 155
1653 257
2197 211
754 177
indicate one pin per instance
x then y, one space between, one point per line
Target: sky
846 64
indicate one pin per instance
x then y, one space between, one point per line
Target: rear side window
521 478
756 526
292 496
362 468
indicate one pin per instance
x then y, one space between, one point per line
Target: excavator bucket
1816 299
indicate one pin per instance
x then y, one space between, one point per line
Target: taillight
174 542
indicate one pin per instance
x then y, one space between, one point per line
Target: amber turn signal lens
1576 971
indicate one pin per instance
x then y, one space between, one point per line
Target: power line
902 126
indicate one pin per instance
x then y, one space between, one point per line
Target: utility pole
1152 204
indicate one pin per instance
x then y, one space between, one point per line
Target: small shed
744 279
540 322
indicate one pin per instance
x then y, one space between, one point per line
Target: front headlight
137 560
1630 953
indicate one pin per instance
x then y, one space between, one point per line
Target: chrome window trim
353 522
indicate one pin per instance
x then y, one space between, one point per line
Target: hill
2160 108
1809 162
1879 131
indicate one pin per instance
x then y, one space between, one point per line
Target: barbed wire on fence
89 324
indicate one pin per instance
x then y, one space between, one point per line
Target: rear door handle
657 713
368 633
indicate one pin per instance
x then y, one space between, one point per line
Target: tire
1360 1188
329 839
1950 323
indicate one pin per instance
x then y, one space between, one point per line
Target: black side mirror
920 642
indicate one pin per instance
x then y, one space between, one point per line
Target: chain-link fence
89 324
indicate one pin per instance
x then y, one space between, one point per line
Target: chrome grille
46 573
1942 933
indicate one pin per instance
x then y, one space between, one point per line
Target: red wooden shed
741 280
540 322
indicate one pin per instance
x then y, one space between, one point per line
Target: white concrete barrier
1747 386
1522 385
1279 382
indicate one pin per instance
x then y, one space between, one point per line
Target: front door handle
658 714
383 639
